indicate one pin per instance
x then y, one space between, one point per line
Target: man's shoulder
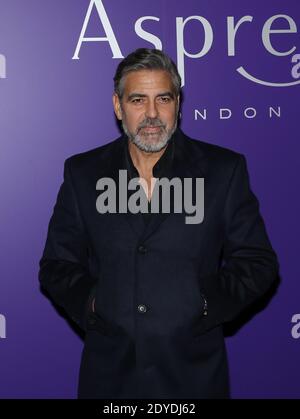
212 152
93 156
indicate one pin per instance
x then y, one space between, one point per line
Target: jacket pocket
198 324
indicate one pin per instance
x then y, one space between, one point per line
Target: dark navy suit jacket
174 347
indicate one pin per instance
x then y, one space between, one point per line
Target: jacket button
142 308
142 249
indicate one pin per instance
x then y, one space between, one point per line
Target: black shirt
162 168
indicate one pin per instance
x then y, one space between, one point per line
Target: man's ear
117 106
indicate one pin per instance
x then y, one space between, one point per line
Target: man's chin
150 143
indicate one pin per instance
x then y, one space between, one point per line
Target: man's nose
151 109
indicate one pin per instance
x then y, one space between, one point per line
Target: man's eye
165 99
137 100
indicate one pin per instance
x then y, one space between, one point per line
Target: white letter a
110 36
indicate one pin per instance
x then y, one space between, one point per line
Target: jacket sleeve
250 265
64 264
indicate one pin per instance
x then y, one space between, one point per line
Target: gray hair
146 59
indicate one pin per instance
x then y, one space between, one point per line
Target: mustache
150 123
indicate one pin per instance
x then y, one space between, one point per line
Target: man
151 290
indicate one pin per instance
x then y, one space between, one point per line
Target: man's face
148 109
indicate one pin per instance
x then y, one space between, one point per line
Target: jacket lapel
114 164
185 165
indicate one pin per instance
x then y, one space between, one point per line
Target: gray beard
151 147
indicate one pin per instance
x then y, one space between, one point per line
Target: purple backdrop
53 106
